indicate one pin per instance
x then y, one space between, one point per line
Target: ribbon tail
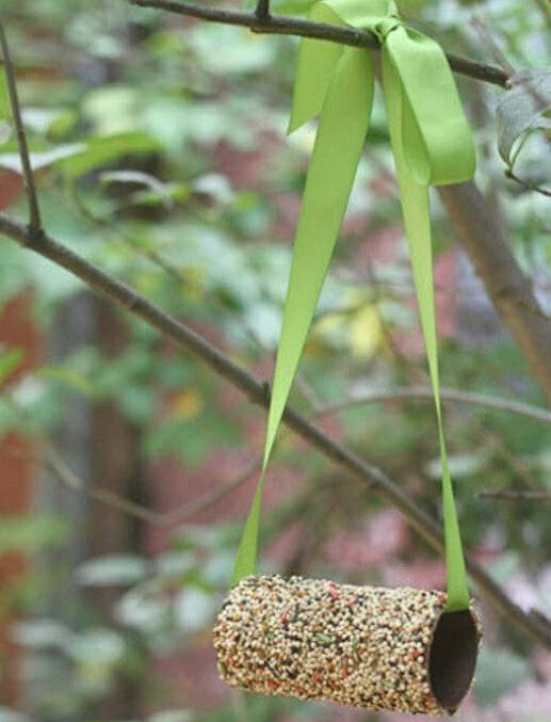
415 207
337 150
245 560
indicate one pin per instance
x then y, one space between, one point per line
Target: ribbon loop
437 140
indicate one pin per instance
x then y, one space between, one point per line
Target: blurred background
127 467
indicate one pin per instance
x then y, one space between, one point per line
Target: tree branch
71 481
35 223
187 339
528 185
516 495
259 22
262 11
483 238
426 393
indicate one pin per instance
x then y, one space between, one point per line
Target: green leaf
9 361
133 177
42 159
111 570
11 715
498 672
4 98
523 109
42 634
172 715
41 120
30 533
101 150
112 109
69 377
96 648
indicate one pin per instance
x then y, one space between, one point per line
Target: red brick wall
16 331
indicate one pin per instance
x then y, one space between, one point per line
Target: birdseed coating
315 639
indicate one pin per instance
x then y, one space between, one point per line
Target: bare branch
489 41
187 339
67 476
55 462
283 25
425 393
208 500
515 495
35 223
509 173
262 11
481 232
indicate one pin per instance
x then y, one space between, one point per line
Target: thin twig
262 11
480 229
502 450
55 462
176 274
35 223
527 184
514 495
72 481
283 25
189 340
488 40
425 393
208 500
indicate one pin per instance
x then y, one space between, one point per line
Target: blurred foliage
162 157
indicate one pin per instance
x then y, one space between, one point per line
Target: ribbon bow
432 145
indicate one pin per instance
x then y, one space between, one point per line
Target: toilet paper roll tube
372 647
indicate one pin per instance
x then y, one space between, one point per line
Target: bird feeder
371 647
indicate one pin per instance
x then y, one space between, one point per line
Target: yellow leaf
187 405
365 331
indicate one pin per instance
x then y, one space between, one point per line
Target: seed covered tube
371 647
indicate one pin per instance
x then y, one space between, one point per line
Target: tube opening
452 659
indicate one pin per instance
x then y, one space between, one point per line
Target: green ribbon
432 145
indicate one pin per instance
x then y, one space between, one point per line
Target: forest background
127 465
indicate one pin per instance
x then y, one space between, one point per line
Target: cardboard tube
371 647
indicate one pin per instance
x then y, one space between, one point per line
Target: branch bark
34 209
483 238
516 495
263 22
186 338
426 393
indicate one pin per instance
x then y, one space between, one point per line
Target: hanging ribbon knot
432 145
436 138
383 27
